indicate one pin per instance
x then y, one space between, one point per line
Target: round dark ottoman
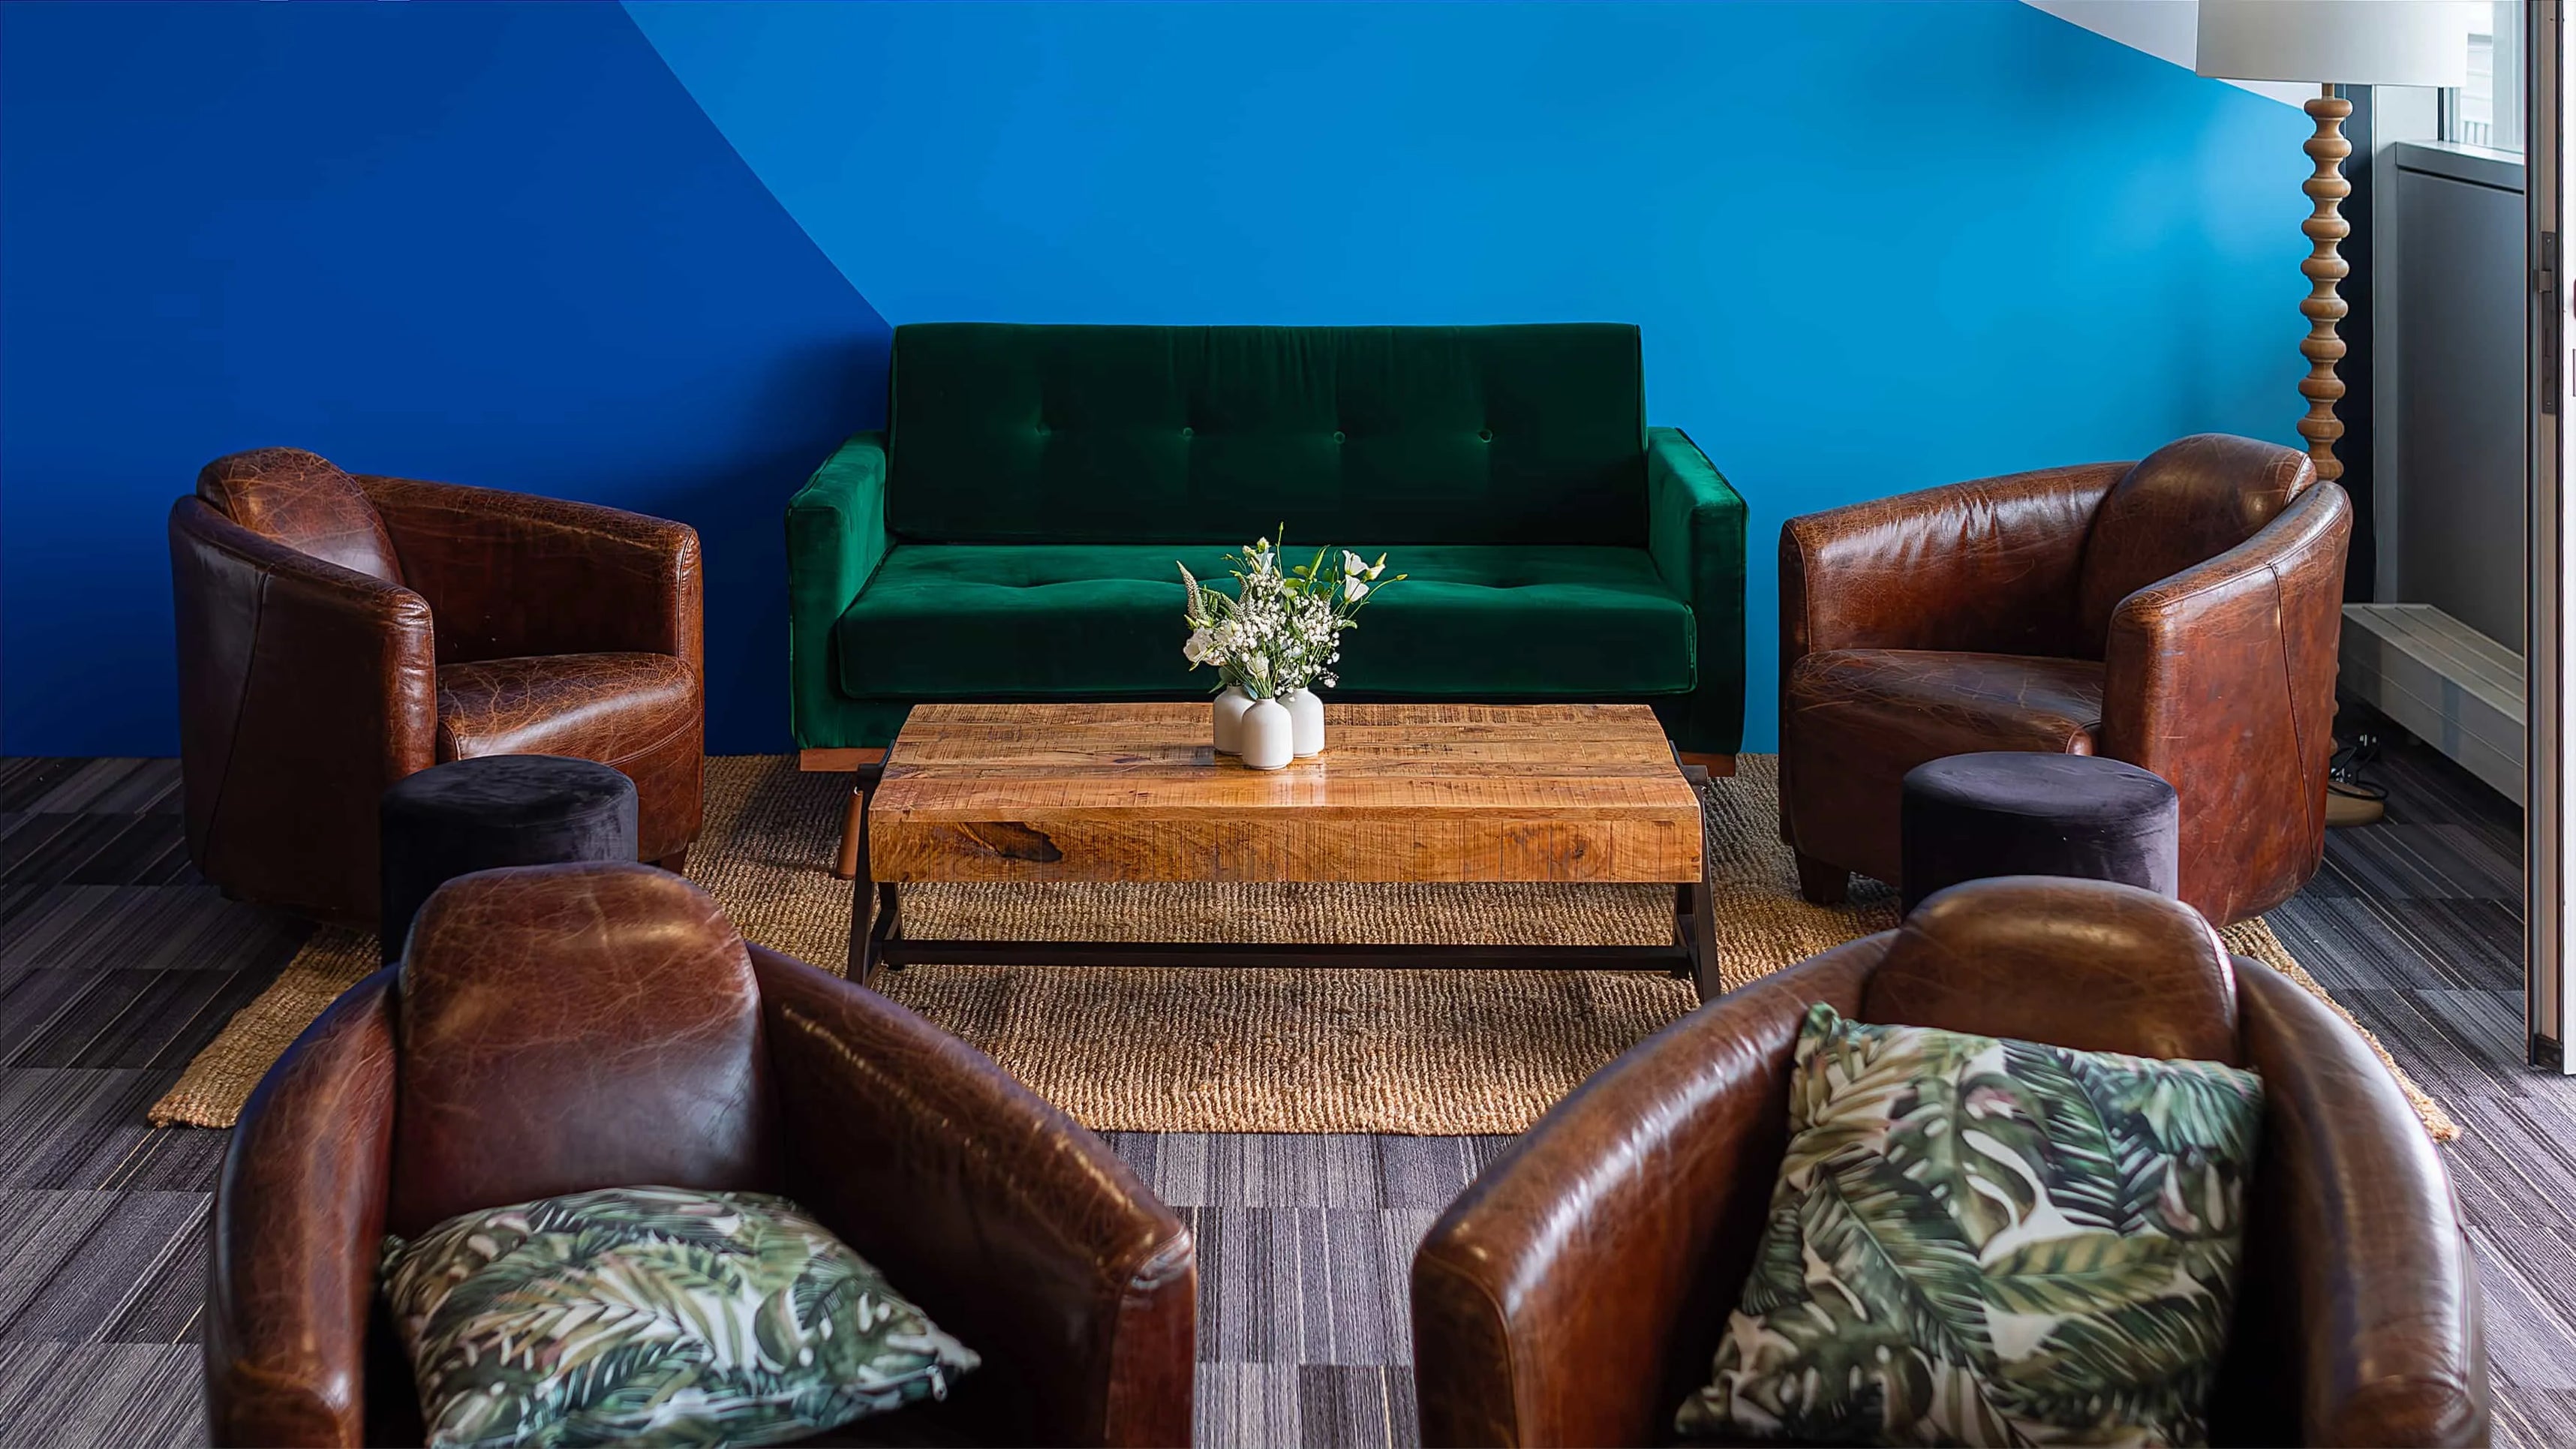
2013 812
469 815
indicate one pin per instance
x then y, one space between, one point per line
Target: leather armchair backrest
566 1027
2078 963
2185 503
301 500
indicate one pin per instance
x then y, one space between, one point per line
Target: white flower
1352 563
1202 648
1377 568
1354 590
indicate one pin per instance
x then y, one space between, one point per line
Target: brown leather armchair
2180 613
1575 1294
559 1028
337 633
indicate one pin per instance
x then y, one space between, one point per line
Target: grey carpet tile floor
117 963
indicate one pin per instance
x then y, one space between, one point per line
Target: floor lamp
2331 43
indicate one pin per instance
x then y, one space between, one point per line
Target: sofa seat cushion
953 621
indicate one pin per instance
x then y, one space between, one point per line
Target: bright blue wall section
1873 247
493 244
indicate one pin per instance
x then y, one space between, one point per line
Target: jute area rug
1177 1049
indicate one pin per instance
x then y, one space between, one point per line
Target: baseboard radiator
2458 690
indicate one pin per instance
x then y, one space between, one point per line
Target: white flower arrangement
1280 631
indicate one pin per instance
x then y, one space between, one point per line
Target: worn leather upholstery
337 633
305 503
2179 613
1575 1293
564 1027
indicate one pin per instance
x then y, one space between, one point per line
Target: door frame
2551 786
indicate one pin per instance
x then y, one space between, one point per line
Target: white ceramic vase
1227 711
1269 736
1306 712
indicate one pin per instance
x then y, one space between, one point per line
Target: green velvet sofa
1011 534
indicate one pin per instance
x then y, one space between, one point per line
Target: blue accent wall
1873 247
492 244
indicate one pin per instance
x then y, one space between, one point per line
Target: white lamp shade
2336 42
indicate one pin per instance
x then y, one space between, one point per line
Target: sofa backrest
1001 433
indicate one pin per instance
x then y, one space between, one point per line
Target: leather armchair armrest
1012 1225
836 537
1988 566
1695 523
2221 679
299 1213
304 690
2358 1271
514 574
1576 1292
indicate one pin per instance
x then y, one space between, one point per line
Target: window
2488 110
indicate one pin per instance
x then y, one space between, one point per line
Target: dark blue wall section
1873 246
488 243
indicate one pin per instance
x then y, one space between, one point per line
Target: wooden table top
1402 792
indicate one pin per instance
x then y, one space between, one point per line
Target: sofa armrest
1011 1224
304 690
299 1212
836 537
1695 526
2221 679
517 574
1576 1292
2358 1274
1989 565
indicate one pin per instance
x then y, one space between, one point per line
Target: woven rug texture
1183 1049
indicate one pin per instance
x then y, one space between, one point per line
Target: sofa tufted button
1337 435
1485 433
1189 432
1043 430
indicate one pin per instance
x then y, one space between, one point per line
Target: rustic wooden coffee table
1405 792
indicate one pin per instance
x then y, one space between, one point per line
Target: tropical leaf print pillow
1976 1241
654 1316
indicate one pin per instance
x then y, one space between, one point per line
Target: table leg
1702 941
864 933
868 948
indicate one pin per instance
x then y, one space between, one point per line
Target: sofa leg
677 862
848 866
1822 882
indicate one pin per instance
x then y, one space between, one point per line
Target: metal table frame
880 945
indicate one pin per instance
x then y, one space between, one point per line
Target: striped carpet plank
117 963
99 1396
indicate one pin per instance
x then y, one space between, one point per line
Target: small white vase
1269 736
1306 712
1228 717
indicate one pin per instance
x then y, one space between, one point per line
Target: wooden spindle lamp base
2325 267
